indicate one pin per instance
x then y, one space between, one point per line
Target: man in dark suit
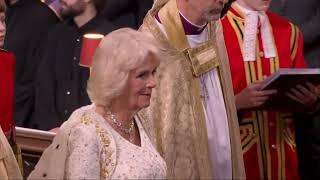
306 14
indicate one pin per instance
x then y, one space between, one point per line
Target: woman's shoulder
77 117
89 127
82 130
92 133
85 122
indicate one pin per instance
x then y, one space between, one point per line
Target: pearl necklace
128 131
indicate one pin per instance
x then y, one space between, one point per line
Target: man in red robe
258 44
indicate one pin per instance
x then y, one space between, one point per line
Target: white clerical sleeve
216 118
84 154
217 126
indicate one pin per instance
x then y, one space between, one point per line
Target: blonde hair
118 53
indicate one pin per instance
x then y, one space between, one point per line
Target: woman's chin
144 104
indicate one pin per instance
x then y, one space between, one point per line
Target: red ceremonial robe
267 137
7 65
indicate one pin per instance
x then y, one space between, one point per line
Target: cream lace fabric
84 154
86 150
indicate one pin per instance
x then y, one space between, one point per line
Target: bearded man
61 82
192 113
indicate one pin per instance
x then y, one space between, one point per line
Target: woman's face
2 28
137 93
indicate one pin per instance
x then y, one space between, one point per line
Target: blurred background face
255 5
72 8
210 10
2 28
137 92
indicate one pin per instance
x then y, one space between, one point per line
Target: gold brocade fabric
175 118
9 168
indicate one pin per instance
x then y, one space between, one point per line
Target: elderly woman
106 140
9 168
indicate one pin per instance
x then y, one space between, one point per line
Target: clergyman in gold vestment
192 117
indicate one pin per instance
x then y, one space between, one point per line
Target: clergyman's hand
252 96
305 94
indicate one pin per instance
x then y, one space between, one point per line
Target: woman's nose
152 82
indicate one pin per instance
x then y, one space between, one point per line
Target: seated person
106 140
9 168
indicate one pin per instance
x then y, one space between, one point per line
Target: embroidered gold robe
9 168
176 116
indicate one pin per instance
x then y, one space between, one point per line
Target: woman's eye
141 75
154 72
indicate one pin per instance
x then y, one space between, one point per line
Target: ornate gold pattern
265 124
288 132
289 138
248 137
171 22
259 65
294 40
105 161
203 58
176 115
